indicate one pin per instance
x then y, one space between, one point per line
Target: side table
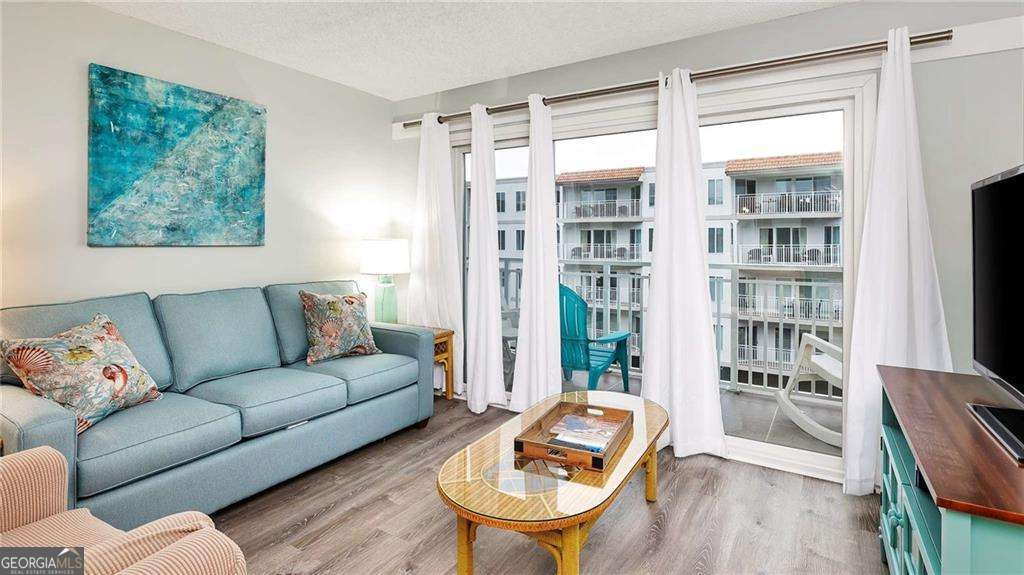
444 347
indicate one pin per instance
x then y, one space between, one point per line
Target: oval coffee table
487 484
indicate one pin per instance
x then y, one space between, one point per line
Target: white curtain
485 382
538 349
897 316
435 282
680 365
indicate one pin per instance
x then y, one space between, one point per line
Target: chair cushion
289 318
149 438
216 334
132 313
74 528
368 376
270 399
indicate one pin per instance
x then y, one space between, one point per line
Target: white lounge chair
827 365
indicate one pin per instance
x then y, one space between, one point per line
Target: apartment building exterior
774 244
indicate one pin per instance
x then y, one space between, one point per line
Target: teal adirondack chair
581 353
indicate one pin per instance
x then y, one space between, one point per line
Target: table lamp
385 258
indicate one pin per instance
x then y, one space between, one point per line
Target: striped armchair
34 513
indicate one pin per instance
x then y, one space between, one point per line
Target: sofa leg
421 424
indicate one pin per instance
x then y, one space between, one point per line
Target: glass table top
487 478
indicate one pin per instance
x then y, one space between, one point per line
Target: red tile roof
778 162
620 174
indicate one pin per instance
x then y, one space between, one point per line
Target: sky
821 132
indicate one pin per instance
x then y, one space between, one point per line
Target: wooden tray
534 440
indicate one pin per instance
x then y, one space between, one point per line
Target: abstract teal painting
171 165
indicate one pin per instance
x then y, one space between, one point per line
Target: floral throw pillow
88 369
336 326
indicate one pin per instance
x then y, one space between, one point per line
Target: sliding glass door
774 212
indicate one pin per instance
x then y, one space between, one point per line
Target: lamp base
386 300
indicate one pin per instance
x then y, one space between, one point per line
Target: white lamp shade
384 257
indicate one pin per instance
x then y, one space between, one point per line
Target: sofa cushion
270 399
216 334
132 313
149 438
289 318
368 376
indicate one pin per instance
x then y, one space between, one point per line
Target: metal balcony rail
603 252
771 358
781 203
812 255
595 295
790 308
582 209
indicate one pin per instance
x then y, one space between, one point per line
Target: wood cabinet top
965 468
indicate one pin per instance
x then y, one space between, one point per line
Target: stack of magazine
583 432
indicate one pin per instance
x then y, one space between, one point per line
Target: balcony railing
603 252
734 315
783 203
810 310
819 255
607 209
595 295
771 358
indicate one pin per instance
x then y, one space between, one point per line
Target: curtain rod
879 46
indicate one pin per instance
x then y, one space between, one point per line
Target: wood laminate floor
377 511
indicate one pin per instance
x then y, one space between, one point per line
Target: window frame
716 191
716 240
520 201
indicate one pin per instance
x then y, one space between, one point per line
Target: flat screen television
997 205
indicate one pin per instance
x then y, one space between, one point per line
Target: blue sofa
241 411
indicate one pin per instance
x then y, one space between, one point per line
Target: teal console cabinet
952 499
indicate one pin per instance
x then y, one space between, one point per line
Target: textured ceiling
399 50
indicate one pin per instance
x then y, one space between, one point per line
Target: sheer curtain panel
680 366
484 371
538 349
897 315
435 281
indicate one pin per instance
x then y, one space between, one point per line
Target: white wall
971 109
328 181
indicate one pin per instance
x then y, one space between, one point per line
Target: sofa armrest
34 483
27 421
203 552
413 341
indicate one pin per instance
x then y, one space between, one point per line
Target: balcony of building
750 375
753 416
799 255
822 203
603 253
601 210
772 359
792 309
622 298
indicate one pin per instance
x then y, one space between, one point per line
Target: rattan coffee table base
563 538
